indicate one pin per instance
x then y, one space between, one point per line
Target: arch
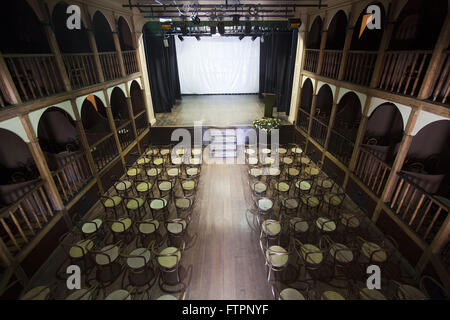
405 111
362 97
320 84
121 86
137 80
21 30
125 37
69 41
119 105
424 119
14 152
324 103
15 125
348 115
385 124
315 34
103 32
418 25
312 82
137 98
337 31
56 129
93 115
370 39
80 100
306 95
35 116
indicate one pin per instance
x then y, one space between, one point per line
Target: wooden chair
277 259
168 261
176 231
183 206
158 208
135 207
112 204
148 233
189 187
311 258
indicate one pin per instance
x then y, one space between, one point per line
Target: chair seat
167 297
137 263
273 171
291 203
255 172
368 248
282 151
37 293
312 171
144 186
293 172
259 187
371 294
265 151
325 183
332 199
269 160
133 172
299 225
165 152
122 226
291 294
303 185
277 260
188 185
82 247
169 261
250 151
111 251
81 294
165 186
180 152
91 226
265 204
177 160
311 254
182 203
311 202
194 161
112 201
287 160
341 253
119 295
192 171
149 227
153 172
331 295
158 161
152 152
282 186
157 204
173 172
135 203
325 224
349 220
252 160
297 150
271 227
305 160
123 185
144 160
176 226
196 151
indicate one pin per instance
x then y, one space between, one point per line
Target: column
331 121
113 126
133 124
348 41
360 135
93 44
7 85
295 96
116 39
312 112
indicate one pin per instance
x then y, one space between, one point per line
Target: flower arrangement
267 124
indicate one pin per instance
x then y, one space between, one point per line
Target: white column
295 96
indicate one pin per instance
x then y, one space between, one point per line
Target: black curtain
162 72
277 61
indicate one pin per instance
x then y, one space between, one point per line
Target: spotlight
180 37
195 19
221 27
166 43
213 29
262 39
254 38
197 37
241 37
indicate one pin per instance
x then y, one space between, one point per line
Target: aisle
227 260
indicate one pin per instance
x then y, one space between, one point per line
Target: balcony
359 67
331 63
81 69
311 60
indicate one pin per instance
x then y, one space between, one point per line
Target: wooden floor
227 261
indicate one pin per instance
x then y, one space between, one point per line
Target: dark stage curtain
277 61
162 72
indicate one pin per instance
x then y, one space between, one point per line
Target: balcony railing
422 212
403 71
110 65
372 171
141 123
130 61
126 135
311 59
303 119
34 75
81 69
104 151
72 177
441 88
331 63
23 220
319 131
340 147
359 67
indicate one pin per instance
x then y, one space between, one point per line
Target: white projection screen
218 65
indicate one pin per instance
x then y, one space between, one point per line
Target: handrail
101 140
5 211
27 55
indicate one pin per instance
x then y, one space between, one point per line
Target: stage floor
216 110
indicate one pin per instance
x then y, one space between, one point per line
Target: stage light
195 19
180 37
197 37
166 43
262 39
241 37
254 38
221 27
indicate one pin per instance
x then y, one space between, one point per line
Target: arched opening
304 109
384 131
418 25
18 170
315 34
119 106
125 38
69 41
324 104
337 31
369 39
103 34
57 131
94 119
20 28
428 160
137 98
